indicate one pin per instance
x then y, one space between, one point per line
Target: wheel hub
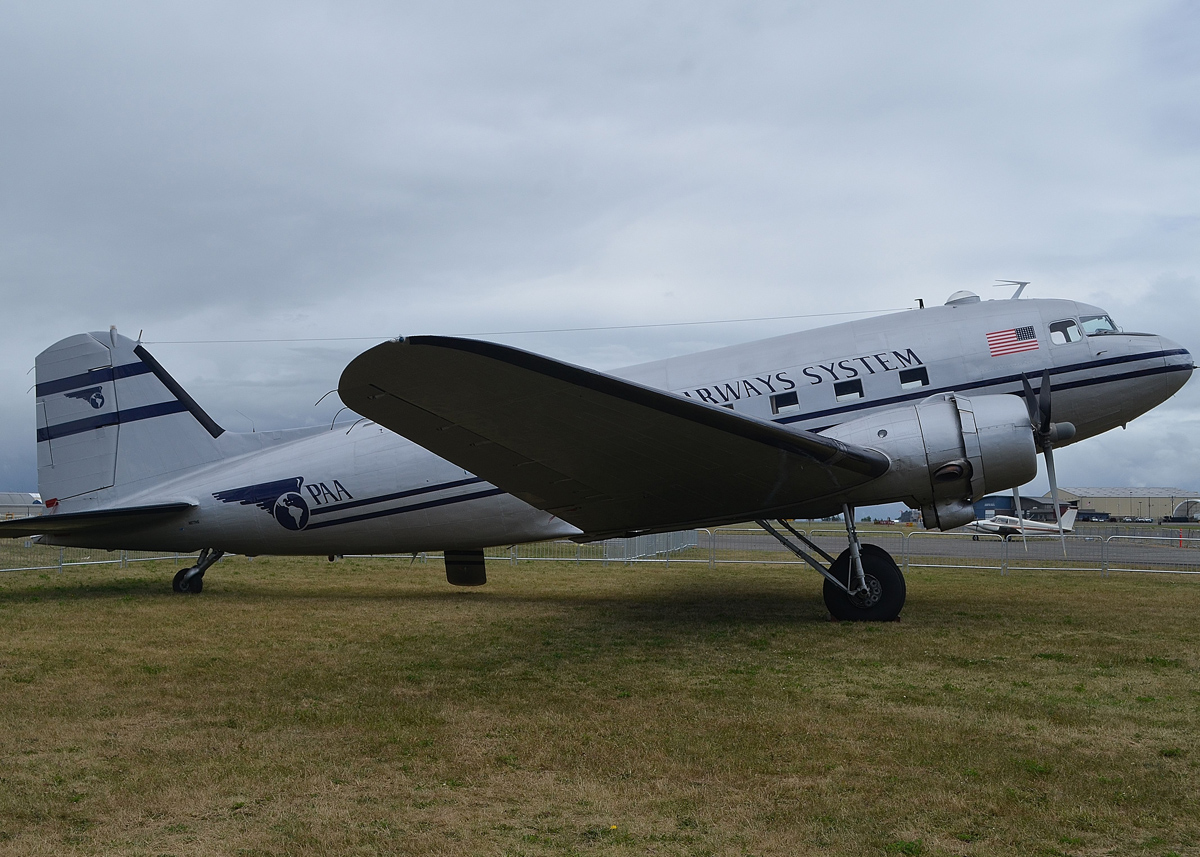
871 596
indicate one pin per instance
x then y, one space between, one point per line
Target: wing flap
604 454
71 523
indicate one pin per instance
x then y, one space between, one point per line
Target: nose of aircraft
1171 348
1178 361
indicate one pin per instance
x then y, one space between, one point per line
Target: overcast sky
267 171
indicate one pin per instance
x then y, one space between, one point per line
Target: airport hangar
1156 503
1033 508
19 504
1102 503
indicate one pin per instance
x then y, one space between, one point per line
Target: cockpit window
1062 332
1094 324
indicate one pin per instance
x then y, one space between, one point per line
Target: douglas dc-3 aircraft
466 444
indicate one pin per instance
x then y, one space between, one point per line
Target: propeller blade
1031 402
1049 450
1020 517
1044 402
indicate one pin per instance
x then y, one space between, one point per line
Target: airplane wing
78 522
606 455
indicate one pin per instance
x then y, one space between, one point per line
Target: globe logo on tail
94 396
291 511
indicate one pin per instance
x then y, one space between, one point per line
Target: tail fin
1068 519
109 415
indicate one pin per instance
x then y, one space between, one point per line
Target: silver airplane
465 444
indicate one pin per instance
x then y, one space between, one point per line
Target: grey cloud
303 169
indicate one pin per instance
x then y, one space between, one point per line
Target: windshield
1093 324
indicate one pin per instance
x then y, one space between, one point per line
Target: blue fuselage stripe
926 392
415 507
399 495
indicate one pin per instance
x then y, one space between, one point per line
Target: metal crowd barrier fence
682 546
933 549
27 555
1177 554
1172 554
1046 553
834 541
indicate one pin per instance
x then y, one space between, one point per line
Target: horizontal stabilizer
605 454
128 518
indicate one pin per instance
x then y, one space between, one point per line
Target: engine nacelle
946 453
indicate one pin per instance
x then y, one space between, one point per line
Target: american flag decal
1012 340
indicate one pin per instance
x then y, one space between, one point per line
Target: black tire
884 579
182 584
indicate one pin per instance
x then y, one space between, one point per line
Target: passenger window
910 379
847 390
785 403
1062 332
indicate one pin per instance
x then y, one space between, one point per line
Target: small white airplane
466 444
1009 525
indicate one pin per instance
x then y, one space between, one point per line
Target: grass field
362 707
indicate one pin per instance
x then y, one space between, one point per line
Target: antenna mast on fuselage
1020 284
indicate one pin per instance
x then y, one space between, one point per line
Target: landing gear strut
192 579
863 584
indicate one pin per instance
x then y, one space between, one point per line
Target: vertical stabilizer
109 416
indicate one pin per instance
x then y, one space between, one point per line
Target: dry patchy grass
298 707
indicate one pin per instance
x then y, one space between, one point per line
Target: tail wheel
884 598
182 584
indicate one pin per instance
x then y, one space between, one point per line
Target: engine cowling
946 453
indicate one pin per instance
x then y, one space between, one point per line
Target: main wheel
182 584
885 594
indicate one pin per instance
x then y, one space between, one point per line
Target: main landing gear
863 584
192 579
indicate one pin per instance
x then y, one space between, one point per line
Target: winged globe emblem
94 396
280 498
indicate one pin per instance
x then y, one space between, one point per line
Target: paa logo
283 499
291 511
94 396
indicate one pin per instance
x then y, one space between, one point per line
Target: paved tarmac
1161 553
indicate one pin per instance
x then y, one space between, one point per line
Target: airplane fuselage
365 489
1006 525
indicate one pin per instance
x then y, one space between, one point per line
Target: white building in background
19 504
1119 503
